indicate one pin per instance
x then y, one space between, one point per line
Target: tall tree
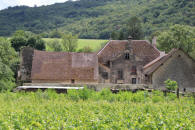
54 45
134 28
8 59
69 42
178 36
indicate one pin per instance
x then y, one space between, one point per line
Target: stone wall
26 56
178 67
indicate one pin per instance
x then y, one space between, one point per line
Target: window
127 56
133 80
105 75
120 74
133 70
72 81
108 63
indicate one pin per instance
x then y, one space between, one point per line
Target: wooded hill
97 18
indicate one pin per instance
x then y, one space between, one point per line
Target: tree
19 39
134 28
23 38
55 45
114 35
178 36
8 60
69 42
55 34
36 42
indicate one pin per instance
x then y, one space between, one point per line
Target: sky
6 3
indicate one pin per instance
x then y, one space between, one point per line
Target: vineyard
87 109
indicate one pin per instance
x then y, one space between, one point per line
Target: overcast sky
6 3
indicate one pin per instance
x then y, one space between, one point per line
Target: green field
86 109
95 44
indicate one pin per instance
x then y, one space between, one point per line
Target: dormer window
126 56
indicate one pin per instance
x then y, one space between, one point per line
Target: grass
86 109
95 44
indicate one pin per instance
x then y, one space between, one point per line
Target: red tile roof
141 48
64 66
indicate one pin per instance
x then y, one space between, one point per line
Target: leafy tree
178 36
69 42
114 35
36 42
55 34
134 28
19 39
8 60
55 45
23 38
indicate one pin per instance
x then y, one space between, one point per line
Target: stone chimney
130 38
154 41
128 46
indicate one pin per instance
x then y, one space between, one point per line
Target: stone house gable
176 65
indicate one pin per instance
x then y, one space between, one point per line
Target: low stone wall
96 87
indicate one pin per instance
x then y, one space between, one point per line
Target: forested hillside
97 18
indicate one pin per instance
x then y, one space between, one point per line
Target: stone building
176 65
58 67
122 61
118 62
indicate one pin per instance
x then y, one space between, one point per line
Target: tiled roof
153 65
64 66
141 48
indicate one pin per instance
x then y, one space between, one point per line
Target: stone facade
177 66
121 62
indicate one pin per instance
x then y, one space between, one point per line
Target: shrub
85 93
171 85
156 99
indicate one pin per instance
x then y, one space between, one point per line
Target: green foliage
8 60
133 28
36 42
86 49
171 85
54 45
100 110
97 18
21 38
178 36
55 34
69 43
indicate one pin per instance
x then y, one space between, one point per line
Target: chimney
154 41
130 38
128 46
